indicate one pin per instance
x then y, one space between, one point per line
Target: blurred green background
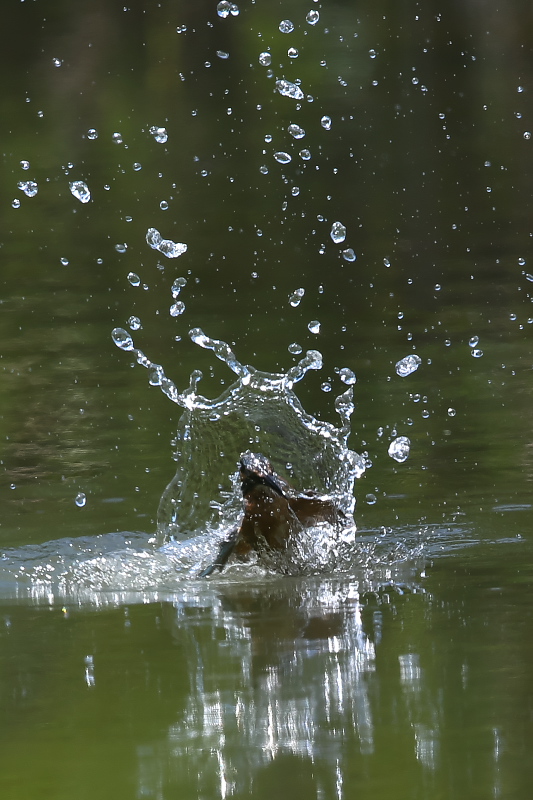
428 163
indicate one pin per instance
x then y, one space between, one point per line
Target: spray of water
260 411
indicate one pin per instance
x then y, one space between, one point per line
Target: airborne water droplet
408 365
159 134
346 375
349 254
286 26
282 158
167 247
265 59
177 286
314 326
296 297
134 279
80 500
134 323
224 9
312 17
80 191
296 131
295 348
399 448
326 122
177 309
122 339
338 232
288 89
29 188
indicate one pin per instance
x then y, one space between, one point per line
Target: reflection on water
288 670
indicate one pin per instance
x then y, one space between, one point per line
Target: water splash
260 411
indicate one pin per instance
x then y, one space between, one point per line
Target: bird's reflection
281 679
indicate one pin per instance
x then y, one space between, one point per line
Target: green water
411 675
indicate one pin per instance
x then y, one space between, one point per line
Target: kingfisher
274 512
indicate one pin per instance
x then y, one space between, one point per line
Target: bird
274 512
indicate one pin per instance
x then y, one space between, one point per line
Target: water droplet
134 323
177 286
64 261
528 276
522 261
338 232
29 188
371 499
346 375
286 26
159 134
282 157
326 387
224 9
80 500
399 448
169 248
288 89
527 134
305 155
263 169
92 133
25 164
117 138
452 412
295 191
408 365
473 341
349 254
181 29
80 191
476 353
295 349
265 59
314 326
296 297
326 122
134 279
373 54
292 52
296 131
122 339
177 308
121 247
312 17
57 62
222 54
15 203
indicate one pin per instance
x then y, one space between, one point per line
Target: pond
324 209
